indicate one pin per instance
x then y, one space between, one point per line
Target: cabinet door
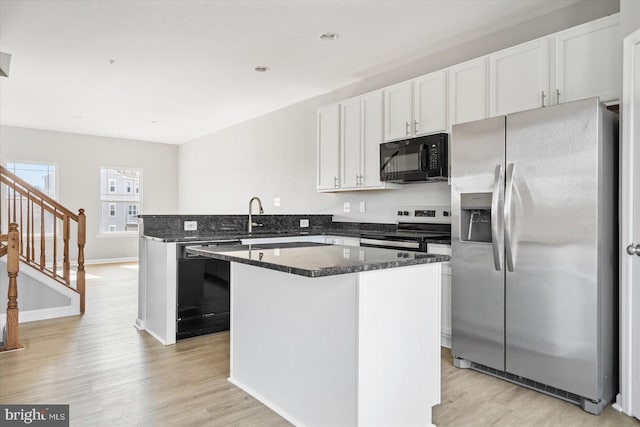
350 143
589 61
372 135
328 147
397 111
430 103
468 98
519 78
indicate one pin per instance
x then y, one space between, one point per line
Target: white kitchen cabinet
519 78
445 312
588 61
328 155
416 107
468 91
398 117
350 142
372 116
430 103
360 130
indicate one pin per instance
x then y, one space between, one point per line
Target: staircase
40 234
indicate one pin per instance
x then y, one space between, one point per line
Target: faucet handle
257 224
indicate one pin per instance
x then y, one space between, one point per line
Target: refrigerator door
551 246
477 191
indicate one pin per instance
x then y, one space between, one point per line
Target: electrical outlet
190 225
304 223
363 207
276 201
347 207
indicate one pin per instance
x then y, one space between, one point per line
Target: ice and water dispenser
475 217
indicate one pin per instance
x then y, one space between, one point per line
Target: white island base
357 349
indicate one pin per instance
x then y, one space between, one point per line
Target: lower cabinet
445 311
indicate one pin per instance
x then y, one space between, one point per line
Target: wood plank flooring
114 375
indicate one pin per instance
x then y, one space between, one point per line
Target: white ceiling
185 68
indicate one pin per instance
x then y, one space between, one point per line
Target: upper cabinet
328 139
588 61
416 107
468 91
430 103
519 78
398 116
352 160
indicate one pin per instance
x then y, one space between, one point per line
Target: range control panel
432 214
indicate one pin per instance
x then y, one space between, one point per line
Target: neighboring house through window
120 199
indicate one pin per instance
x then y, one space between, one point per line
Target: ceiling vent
5 60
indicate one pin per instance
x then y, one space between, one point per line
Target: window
42 176
120 199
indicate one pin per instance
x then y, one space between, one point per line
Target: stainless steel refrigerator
534 240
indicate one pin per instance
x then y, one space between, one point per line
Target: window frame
139 202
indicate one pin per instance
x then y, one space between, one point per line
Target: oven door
403 161
405 245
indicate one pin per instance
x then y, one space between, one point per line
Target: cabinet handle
558 95
357 179
415 126
406 128
543 96
335 181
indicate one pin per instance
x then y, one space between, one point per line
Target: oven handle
392 243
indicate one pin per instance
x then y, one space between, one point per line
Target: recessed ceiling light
111 61
154 121
328 36
77 116
262 69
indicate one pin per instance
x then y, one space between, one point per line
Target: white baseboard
445 340
43 314
110 260
275 408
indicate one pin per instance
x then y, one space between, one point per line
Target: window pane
120 199
40 175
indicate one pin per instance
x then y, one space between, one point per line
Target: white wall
79 158
275 155
629 16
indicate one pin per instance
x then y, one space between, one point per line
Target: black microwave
424 158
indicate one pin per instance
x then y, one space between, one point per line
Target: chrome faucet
250 224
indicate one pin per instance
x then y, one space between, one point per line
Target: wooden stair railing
41 222
12 250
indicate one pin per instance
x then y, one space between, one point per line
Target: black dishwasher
203 303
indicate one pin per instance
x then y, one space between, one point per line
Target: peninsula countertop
316 260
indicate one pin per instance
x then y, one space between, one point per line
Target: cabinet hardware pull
415 126
406 128
558 95
543 97
335 181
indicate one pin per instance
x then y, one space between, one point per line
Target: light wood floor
113 375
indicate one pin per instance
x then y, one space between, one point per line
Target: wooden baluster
29 215
82 226
33 234
13 262
21 227
42 253
55 241
65 252
14 202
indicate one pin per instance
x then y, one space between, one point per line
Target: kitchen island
331 335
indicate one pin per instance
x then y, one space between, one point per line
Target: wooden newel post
13 265
82 237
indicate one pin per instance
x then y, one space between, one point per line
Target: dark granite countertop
187 237
316 260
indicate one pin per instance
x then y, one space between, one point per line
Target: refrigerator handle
508 242
496 226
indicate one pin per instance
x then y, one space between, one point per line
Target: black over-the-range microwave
423 158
